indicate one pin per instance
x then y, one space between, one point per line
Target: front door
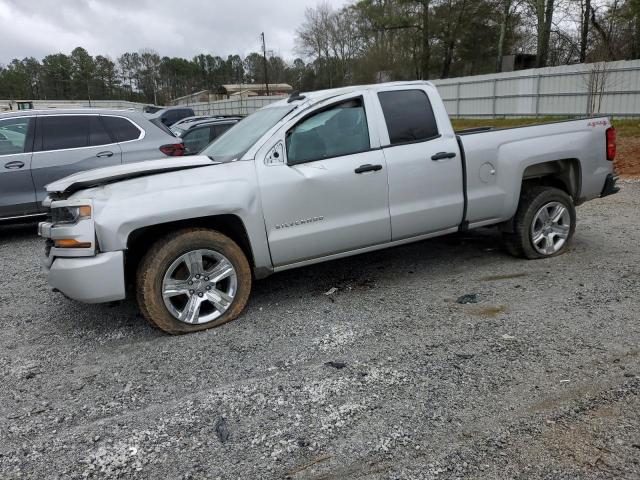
425 168
66 144
17 196
330 194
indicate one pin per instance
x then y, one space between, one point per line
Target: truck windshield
237 140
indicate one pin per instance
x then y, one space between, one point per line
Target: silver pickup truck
314 177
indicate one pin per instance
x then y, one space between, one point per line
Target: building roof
191 95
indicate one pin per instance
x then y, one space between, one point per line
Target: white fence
239 106
45 104
611 88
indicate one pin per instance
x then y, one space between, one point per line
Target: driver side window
338 130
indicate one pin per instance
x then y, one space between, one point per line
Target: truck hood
102 176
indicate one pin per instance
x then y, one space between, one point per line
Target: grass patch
625 127
627 161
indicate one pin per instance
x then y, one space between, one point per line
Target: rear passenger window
97 133
170 117
220 129
408 115
121 129
195 140
66 131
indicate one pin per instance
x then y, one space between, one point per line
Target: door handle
443 156
14 165
368 168
104 154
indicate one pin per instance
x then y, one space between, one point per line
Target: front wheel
543 225
192 280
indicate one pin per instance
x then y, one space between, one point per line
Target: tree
56 76
82 71
544 10
254 68
506 10
105 78
147 75
585 19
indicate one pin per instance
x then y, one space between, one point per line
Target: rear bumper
94 279
610 186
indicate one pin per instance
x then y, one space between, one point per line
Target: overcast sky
35 28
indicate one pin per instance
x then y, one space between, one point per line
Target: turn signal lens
84 211
71 243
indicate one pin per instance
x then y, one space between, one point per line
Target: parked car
191 119
195 118
151 108
170 115
313 178
198 134
38 147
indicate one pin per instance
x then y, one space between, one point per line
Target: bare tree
596 80
506 9
604 33
544 10
584 30
456 10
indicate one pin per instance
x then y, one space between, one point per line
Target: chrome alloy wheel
550 228
199 286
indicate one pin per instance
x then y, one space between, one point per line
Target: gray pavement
539 379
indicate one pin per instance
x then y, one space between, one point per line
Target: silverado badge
299 222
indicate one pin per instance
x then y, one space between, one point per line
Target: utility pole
264 54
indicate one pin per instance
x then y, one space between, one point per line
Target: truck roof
320 95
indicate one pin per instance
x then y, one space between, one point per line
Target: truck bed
492 158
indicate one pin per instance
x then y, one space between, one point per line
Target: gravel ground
388 377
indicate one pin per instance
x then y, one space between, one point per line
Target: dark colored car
199 133
170 115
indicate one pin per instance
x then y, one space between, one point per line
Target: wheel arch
140 239
564 174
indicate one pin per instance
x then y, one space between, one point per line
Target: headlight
70 214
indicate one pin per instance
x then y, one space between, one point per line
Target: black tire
162 255
532 199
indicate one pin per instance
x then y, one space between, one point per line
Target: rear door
17 195
425 169
134 142
66 144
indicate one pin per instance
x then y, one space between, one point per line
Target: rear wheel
543 225
192 280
